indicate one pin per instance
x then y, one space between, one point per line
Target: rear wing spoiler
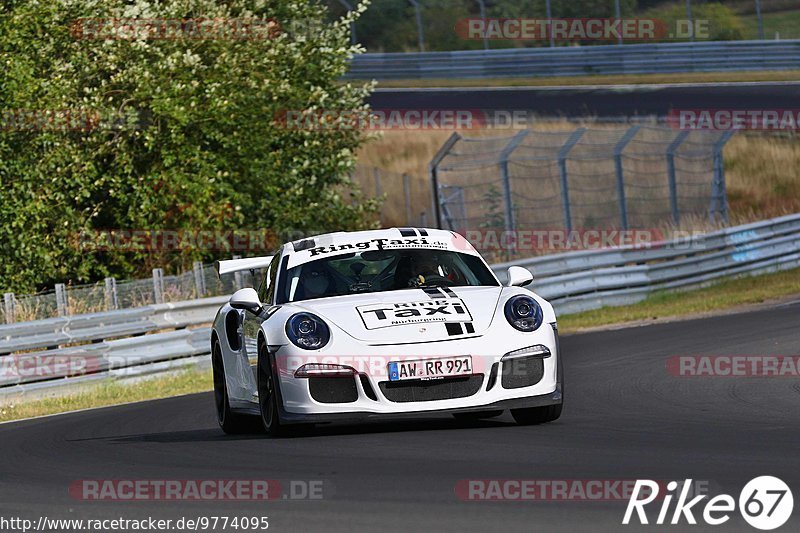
236 265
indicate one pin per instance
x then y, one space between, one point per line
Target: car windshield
383 270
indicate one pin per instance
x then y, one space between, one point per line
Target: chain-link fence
111 294
400 191
631 177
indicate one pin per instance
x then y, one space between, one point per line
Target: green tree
188 137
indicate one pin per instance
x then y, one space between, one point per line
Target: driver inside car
425 269
315 282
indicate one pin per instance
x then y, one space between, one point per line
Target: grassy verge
627 79
112 393
721 296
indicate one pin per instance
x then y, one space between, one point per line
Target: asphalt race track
626 417
600 101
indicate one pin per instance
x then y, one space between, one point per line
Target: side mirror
246 299
519 277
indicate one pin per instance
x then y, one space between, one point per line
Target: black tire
231 422
548 413
536 415
478 415
268 395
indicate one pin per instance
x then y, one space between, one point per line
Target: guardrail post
420 32
10 306
112 302
158 285
349 8
433 171
199 279
378 190
673 183
623 206
719 191
512 145
563 152
407 196
61 300
459 192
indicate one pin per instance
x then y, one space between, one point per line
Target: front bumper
369 398
553 398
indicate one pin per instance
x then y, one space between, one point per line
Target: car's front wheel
229 421
537 415
268 394
548 413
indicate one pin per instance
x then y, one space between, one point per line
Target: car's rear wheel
268 394
478 415
229 421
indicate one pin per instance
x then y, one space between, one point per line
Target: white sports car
376 324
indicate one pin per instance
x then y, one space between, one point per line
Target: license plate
431 368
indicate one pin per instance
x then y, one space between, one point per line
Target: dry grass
762 172
409 152
763 176
397 153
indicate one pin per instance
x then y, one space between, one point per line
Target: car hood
409 315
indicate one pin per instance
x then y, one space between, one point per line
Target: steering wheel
436 279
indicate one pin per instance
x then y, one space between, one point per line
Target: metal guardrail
651 58
586 280
573 282
91 347
98 327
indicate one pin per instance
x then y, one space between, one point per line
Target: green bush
188 137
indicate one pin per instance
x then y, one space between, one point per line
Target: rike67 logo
765 503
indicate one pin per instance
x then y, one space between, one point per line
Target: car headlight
307 331
324 370
524 313
537 350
